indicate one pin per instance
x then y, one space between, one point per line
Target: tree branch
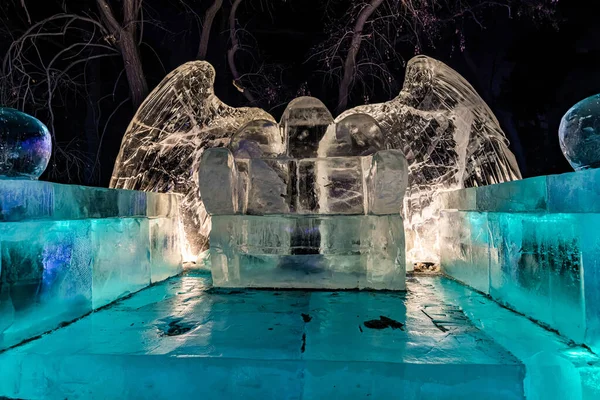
350 63
233 49
206 27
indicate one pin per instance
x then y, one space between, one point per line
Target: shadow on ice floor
183 339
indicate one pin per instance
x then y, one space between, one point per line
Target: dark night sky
528 73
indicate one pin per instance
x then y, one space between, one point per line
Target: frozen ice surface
25 145
579 134
556 369
180 338
66 250
451 140
537 241
318 251
163 145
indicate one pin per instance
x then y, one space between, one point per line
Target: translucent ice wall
66 250
532 245
451 140
162 146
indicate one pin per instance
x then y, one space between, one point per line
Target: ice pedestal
294 207
317 251
532 245
67 250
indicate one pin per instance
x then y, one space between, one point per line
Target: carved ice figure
162 146
319 214
451 140
579 134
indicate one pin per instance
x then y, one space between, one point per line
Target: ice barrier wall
532 245
66 250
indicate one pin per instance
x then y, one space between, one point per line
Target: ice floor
183 339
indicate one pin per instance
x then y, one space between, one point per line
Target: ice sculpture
448 134
290 209
162 146
25 145
579 134
451 140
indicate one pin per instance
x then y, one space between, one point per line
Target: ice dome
579 134
25 145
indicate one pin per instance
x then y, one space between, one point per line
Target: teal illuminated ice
66 250
184 338
293 207
25 145
532 245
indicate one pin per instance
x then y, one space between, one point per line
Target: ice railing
312 181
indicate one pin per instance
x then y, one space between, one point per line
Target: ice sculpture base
66 250
534 246
308 251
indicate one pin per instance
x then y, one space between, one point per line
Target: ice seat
292 209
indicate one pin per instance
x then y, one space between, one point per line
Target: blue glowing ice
180 340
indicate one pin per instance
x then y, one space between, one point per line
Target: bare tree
350 62
371 36
124 35
46 64
206 27
50 60
235 46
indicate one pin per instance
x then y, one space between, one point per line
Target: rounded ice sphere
25 145
579 134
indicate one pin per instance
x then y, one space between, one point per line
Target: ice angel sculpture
162 146
449 136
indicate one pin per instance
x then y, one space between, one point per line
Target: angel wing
162 146
451 140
